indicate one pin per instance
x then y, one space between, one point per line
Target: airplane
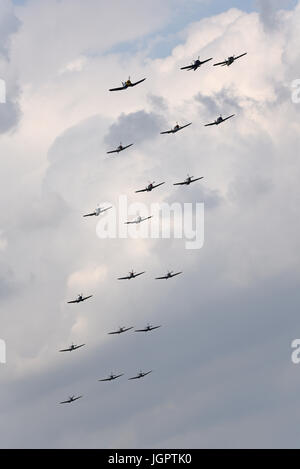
176 129
72 348
97 212
195 65
138 221
71 399
219 121
112 377
188 181
150 187
127 84
230 60
148 328
140 375
120 148
169 275
120 331
80 299
131 275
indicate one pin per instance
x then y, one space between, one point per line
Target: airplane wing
175 275
142 190
239 56
125 330
65 402
207 60
66 350
105 209
138 82
76 398
226 118
161 278
128 146
119 376
155 327
141 273
146 374
135 377
221 63
197 179
184 126
212 123
105 379
167 132
72 302
118 89
124 278
147 218
188 67
112 151
179 184
114 333
141 330
87 298
79 346
130 222
157 185
90 215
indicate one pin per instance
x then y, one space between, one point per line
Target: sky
222 370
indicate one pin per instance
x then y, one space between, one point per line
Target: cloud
135 127
269 11
10 110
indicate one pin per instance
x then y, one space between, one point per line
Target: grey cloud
225 101
268 10
198 194
137 127
158 103
9 111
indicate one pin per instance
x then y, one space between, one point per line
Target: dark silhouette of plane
71 399
97 212
188 181
80 299
112 377
148 328
220 120
72 348
120 331
127 84
230 60
140 375
169 275
131 275
120 148
176 129
150 187
195 65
